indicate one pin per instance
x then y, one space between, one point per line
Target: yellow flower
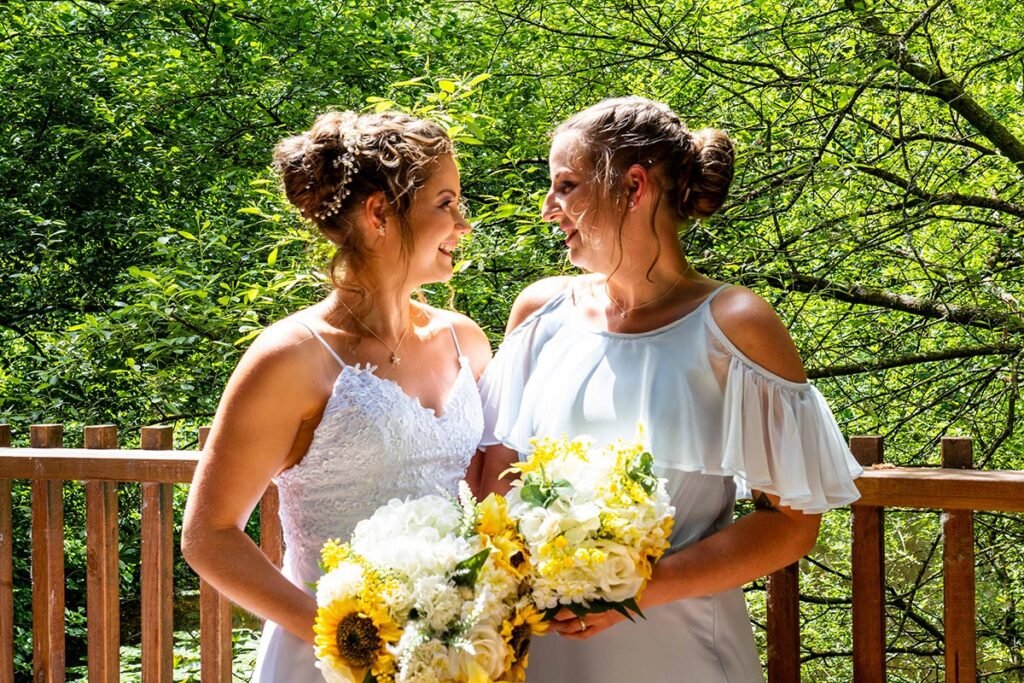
351 635
335 553
494 519
517 632
501 535
547 450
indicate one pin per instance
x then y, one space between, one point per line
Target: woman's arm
268 403
771 537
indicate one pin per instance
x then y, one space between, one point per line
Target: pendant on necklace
624 315
395 360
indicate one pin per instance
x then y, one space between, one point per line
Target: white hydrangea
437 602
344 581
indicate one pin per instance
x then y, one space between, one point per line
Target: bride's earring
381 230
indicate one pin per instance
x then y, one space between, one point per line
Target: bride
363 397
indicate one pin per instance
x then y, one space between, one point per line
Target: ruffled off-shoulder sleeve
780 437
506 419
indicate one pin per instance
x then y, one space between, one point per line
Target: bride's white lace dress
374 443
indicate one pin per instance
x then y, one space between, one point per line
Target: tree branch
857 294
942 86
914 359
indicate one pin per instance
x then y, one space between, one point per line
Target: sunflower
517 632
351 636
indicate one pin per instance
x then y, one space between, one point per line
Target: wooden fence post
271 534
157 567
102 572
214 623
783 606
47 564
958 569
6 571
868 560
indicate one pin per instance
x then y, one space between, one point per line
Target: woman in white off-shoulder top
708 368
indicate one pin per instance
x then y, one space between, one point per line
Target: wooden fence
953 488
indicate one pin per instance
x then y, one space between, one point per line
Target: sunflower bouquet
432 590
595 520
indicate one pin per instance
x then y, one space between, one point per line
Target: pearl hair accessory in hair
346 163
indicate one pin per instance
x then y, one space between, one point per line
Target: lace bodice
374 443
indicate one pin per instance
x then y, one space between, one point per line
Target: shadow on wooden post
102 567
157 567
958 570
868 560
47 564
784 625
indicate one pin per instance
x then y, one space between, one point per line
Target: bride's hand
570 626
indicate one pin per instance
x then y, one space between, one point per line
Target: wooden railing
156 467
953 488
956 490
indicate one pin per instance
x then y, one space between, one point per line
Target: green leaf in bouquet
641 470
543 493
534 494
467 571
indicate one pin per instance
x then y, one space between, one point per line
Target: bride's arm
771 537
263 410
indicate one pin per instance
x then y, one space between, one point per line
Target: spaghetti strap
715 293
455 338
326 345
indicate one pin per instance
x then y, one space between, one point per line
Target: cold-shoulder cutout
753 329
534 297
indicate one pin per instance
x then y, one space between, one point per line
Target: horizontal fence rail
156 468
953 488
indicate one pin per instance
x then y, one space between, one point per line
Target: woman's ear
638 182
375 212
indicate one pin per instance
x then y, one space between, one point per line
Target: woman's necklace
394 357
624 312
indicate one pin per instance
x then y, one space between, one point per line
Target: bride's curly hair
346 157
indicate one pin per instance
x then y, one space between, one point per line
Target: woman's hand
568 625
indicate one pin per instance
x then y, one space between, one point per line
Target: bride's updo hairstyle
693 168
344 158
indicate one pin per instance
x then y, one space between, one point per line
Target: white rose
617 576
489 650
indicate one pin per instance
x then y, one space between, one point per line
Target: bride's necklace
394 358
624 311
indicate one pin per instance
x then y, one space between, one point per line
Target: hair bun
290 160
713 164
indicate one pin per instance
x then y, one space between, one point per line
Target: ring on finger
583 624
